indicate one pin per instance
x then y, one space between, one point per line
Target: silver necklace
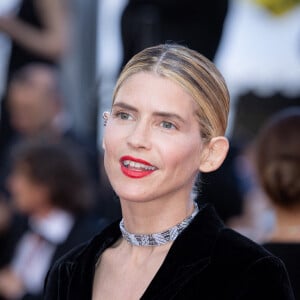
160 238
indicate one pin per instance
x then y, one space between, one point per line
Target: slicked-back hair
197 75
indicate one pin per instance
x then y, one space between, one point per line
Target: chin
132 196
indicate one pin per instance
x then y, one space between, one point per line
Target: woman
166 124
278 168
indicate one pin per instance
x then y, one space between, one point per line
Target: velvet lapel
189 255
83 269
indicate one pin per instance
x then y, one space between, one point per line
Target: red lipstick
135 168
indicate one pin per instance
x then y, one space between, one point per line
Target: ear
214 154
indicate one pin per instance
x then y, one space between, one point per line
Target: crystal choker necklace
160 238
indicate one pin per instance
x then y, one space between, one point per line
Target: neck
287 216
287 226
154 216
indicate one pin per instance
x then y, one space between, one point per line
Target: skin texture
147 135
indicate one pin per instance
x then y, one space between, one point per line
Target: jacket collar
189 254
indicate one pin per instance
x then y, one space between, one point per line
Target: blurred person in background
35 101
36 105
7 7
146 23
37 108
49 185
39 32
259 55
277 157
260 59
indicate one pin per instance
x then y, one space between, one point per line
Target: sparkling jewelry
160 238
105 116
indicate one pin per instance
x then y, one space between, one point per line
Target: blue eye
123 116
167 125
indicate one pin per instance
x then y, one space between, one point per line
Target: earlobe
214 154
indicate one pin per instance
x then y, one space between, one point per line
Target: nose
140 136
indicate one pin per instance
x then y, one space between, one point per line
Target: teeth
136 165
126 163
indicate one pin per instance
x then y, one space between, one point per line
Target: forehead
21 167
153 91
38 80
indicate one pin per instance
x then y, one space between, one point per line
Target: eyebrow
125 106
157 113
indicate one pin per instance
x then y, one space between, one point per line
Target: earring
105 116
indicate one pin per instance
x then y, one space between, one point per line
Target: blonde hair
194 73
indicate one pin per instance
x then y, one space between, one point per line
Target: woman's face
28 196
152 140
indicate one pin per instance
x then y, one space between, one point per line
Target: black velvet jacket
207 261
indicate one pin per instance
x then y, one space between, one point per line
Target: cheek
111 145
22 195
15 184
46 112
21 189
110 140
183 153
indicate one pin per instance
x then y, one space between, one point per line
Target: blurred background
59 60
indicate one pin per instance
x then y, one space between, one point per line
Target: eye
123 115
167 125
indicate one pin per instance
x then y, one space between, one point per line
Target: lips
136 168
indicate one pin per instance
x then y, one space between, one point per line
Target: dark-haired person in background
50 186
277 160
39 33
37 108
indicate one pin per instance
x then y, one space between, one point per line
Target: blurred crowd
54 193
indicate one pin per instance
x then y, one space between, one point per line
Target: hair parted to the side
194 73
277 157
